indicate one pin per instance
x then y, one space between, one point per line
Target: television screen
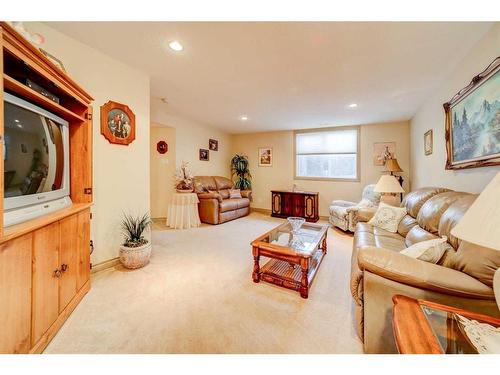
33 152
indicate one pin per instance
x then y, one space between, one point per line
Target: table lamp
480 224
392 166
389 186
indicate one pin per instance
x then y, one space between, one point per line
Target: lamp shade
388 184
480 225
392 165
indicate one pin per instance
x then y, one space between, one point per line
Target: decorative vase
135 257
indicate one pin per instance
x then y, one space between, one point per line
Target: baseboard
105 265
268 212
260 210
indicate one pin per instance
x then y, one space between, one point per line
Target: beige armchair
343 214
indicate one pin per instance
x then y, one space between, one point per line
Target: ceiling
286 75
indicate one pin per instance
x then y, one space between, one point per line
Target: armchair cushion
397 267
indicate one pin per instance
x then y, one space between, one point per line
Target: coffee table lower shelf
286 275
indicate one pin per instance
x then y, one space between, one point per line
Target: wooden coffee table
294 260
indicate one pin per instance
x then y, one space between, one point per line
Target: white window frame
330 129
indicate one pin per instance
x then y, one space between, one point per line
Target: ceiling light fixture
243 118
175 46
19 125
16 120
352 105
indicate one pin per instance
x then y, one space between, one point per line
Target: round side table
183 211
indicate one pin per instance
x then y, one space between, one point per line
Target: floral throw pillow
388 217
234 193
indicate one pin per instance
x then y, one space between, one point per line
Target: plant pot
184 190
135 257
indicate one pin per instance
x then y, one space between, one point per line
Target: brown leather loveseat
462 278
216 207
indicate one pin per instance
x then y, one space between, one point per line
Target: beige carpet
197 296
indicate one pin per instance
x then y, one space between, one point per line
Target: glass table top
448 331
306 241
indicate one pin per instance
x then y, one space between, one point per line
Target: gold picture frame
428 142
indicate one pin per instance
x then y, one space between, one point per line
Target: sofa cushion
417 234
415 200
406 224
452 216
223 183
224 193
477 261
201 183
368 235
430 214
234 204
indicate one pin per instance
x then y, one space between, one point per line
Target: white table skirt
183 211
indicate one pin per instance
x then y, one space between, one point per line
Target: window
327 154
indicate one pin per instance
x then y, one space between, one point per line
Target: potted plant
136 250
183 179
239 167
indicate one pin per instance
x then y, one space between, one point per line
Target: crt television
36 161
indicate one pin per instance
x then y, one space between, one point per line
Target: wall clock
162 147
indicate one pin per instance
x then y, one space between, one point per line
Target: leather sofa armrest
246 194
210 196
364 214
403 269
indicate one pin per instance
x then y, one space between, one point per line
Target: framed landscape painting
472 122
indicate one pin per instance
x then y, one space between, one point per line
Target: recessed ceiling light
243 118
352 105
16 120
175 45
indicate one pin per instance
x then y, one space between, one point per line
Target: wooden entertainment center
44 262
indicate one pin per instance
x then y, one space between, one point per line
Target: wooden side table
183 211
424 327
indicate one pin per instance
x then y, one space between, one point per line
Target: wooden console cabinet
44 262
295 203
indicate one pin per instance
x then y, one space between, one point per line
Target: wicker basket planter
135 257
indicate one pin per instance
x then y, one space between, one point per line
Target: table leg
256 266
304 283
323 244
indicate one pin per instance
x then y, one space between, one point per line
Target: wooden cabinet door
15 295
45 280
83 249
68 260
298 205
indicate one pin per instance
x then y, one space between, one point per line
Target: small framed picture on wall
265 157
213 144
204 154
428 142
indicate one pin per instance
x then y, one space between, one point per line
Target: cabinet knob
57 273
64 267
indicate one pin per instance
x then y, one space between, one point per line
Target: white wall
121 173
281 174
162 170
190 137
429 170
